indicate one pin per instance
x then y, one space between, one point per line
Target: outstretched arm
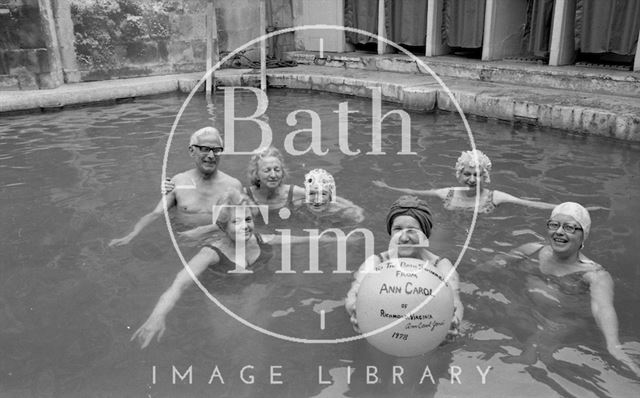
501 259
156 324
145 220
426 192
198 232
606 317
350 210
500 197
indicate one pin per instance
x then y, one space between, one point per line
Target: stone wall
24 58
44 41
126 38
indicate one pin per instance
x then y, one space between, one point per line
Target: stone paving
616 116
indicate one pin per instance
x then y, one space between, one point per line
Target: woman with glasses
558 281
473 170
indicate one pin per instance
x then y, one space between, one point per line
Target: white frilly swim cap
322 179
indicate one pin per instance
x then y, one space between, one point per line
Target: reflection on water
72 181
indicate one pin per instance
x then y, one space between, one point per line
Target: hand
454 329
144 335
618 353
380 183
350 306
120 241
167 186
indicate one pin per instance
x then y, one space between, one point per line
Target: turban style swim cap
579 213
413 207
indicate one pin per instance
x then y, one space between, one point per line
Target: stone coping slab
603 115
570 77
106 90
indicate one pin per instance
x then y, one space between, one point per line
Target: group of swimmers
409 222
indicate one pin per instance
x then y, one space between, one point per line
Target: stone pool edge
540 107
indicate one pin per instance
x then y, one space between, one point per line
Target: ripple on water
147 251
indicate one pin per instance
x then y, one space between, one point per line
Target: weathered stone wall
23 54
124 38
44 41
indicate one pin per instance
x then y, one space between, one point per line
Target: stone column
636 61
54 77
66 40
563 45
434 45
503 22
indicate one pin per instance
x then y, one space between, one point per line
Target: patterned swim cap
321 179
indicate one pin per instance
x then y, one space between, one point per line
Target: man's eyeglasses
569 228
206 149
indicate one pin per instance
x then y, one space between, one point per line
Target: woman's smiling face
561 241
318 198
471 177
270 172
407 235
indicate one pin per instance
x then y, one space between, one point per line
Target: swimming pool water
72 181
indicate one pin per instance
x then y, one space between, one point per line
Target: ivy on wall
109 33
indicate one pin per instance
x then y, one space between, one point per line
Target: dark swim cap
413 207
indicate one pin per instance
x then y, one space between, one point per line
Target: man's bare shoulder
185 177
227 179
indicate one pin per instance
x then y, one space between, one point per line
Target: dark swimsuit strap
447 200
250 194
224 258
290 196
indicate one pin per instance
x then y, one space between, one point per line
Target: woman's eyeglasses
568 228
206 149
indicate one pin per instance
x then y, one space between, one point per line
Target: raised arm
500 197
156 323
606 318
441 193
146 220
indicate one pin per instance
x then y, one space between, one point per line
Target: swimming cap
411 206
578 212
320 178
468 158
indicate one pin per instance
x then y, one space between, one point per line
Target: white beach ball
396 288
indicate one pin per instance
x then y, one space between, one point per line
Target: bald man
196 190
